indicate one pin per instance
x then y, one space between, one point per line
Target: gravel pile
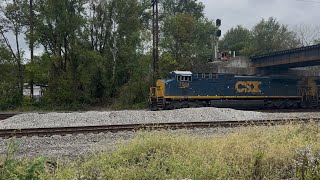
35 120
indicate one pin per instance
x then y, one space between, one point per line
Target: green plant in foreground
12 168
307 164
284 152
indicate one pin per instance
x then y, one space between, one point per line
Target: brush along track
6 116
8 133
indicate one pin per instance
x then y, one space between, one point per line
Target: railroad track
8 133
288 110
6 116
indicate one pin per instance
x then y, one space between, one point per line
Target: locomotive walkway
8 133
299 57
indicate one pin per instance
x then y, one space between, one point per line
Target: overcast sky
249 12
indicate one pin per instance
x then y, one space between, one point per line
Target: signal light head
218 22
218 34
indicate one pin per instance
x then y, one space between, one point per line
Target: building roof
184 73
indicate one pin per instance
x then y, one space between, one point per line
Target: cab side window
207 76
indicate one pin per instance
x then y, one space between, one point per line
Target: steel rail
9 133
287 110
4 116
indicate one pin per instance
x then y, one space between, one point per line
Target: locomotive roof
183 73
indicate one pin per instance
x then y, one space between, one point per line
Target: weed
283 152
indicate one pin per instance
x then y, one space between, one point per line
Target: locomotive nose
160 88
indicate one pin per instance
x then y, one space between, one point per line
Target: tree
93 50
269 36
187 39
236 39
307 34
191 7
39 69
9 93
167 63
12 22
59 26
99 25
126 33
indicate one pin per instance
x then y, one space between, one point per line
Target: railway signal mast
155 33
217 35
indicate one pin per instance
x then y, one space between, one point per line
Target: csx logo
248 86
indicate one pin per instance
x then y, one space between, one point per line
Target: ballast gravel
71 146
95 118
77 146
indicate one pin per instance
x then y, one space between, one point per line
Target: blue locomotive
183 89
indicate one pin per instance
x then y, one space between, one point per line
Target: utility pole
155 33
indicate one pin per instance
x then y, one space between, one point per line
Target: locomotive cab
183 78
157 97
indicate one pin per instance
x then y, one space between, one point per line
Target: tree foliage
9 91
191 7
97 52
12 20
269 35
236 39
265 37
186 35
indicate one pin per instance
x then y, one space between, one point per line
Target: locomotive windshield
184 78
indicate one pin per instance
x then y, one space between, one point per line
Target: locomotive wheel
185 105
170 106
268 105
283 105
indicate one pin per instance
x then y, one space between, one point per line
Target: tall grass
285 152
11 168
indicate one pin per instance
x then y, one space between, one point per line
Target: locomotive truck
184 89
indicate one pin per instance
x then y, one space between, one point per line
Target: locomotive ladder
160 103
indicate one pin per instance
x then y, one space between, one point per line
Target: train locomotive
184 89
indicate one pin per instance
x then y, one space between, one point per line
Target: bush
135 93
10 99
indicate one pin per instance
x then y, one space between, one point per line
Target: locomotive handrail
153 92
